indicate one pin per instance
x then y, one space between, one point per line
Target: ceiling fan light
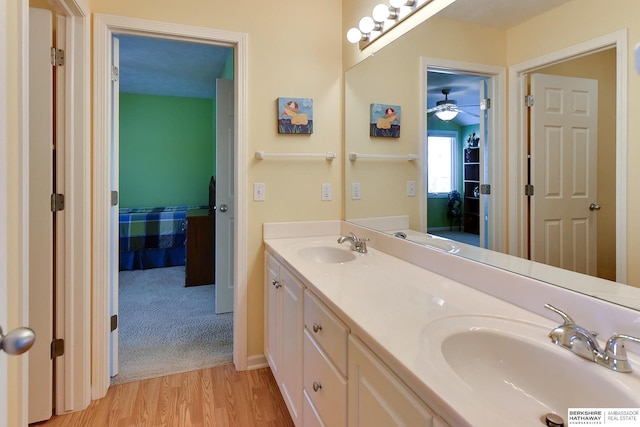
446 115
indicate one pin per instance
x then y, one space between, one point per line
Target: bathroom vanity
410 335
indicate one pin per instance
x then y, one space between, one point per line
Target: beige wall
294 50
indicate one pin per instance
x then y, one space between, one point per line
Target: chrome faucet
584 343
358 245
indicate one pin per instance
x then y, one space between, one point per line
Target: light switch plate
355 191
326 191
411 188
259 191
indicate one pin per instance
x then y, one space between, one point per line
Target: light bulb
446 115
366 25
380 13
397 3
354 35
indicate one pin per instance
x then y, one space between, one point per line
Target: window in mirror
442 163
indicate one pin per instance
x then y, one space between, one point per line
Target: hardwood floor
214 397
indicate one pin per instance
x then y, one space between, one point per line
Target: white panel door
40 216
114 245
564 122
225 195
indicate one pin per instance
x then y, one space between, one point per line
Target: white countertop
391 304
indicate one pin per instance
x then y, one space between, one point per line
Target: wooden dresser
200 253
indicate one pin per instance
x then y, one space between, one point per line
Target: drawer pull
316 386
275 283
316 328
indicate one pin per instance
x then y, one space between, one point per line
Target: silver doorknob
594 207
17 341
224 208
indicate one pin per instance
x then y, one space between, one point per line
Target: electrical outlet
259 191
411 188
326 191
355 191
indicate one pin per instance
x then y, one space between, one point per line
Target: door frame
518 134
105 26
497 238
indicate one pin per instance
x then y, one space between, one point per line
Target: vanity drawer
324 385
310 417
328 331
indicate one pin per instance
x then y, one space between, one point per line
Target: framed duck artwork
295 115
385 120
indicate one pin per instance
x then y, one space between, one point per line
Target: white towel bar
410 157
261 155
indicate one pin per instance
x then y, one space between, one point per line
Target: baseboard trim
257 361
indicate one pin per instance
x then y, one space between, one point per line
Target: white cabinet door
272 315
284 324
292 326
377 398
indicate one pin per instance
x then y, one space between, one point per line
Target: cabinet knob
316 328
275 283
316 386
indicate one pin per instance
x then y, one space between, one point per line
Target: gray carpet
165 328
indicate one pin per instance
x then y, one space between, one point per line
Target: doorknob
224 208
17 341
594 207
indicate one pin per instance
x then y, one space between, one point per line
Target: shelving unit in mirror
471 185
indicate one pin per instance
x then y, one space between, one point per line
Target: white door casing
104 27
225 212
564 122
114 266
41 283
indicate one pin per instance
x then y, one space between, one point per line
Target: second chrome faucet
358 245
583 343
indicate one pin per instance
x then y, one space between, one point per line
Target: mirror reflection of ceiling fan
447 109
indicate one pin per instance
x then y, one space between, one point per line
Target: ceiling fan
447 109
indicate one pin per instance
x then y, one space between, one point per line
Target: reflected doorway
457 157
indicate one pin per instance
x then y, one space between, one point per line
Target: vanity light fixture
367 25
354 35
382 12
386 17
399 3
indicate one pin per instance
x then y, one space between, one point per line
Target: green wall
167 147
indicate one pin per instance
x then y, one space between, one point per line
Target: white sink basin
513 370
327 254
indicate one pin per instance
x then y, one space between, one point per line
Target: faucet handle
362 245
566 319
618 354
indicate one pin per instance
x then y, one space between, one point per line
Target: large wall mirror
459 183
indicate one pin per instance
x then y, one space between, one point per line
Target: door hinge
57 348
528 190
528 101
485 188
114 322
57 202
485 104
114 198
115 73
57 57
